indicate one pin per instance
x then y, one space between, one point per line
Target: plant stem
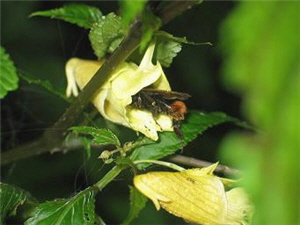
50 141
189 161
162 163
115 171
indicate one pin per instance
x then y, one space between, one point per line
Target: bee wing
168 95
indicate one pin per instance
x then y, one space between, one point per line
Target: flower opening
114 98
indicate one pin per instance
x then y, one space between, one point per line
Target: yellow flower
115 96
197 196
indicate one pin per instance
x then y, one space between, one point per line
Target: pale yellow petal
146 62
114 97
131 79
143 122
72 88
162 82
197 199
240 208
141 183
202 171
165 122
81 70
228 182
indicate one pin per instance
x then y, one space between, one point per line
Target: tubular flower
197 196
114 98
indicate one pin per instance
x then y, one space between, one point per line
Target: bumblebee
163 102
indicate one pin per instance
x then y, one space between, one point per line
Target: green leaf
11 198
129 10
9 79
80 14
87 146
137 203
182 40
167 50
168 143
79 209
106 34
168 46
100 136
44 83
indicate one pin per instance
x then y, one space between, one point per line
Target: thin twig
189 161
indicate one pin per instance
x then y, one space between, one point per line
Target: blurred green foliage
80 14
129 9
262 64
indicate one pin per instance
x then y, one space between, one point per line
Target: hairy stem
51 141
115 171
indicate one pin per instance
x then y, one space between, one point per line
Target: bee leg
178 132
176 126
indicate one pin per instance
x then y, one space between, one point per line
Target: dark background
40 47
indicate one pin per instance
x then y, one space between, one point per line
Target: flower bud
197 196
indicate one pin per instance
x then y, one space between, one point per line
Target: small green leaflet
11 198
167 36
137 203
80 14
168 143
168 46
79 209
106 35
167 50
100 136
9 79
